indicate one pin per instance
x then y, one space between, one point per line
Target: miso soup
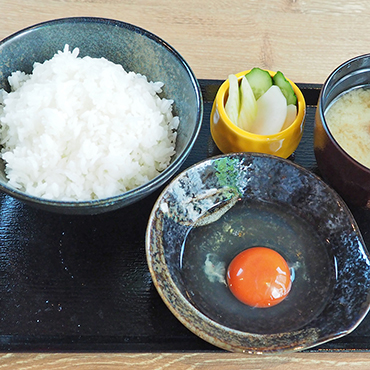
348 119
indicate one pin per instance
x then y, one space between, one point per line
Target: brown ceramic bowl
346 175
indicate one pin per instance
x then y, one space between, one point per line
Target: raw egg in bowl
255 254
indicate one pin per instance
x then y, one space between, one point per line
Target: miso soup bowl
347 176
229 138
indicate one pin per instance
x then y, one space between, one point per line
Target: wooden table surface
306 39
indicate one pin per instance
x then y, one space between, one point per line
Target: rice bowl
84 128
137 51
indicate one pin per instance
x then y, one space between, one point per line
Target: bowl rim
301 111
307 339
321 112
160 178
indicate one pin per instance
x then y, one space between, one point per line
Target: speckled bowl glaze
229 138
206 194
136 50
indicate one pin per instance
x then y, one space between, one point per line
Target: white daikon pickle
291 114
271 112
232 105
248 106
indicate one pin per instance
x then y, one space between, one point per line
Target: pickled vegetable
260 81
261 104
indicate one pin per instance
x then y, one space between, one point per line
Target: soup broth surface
348 118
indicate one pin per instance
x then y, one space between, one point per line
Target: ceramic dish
136 50
231 139
227 203
349 178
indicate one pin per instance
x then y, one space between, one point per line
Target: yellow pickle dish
246 114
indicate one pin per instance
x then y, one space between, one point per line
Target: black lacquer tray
81 283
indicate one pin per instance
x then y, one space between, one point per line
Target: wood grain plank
305 39
184 361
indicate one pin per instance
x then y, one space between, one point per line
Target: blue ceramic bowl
136 50
225 204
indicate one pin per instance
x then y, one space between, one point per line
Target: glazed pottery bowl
215 209
347 176
229 138
136 50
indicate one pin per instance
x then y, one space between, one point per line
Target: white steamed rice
84 128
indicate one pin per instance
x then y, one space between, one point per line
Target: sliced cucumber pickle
259 80
285 87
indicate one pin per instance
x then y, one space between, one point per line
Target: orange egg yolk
259 277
